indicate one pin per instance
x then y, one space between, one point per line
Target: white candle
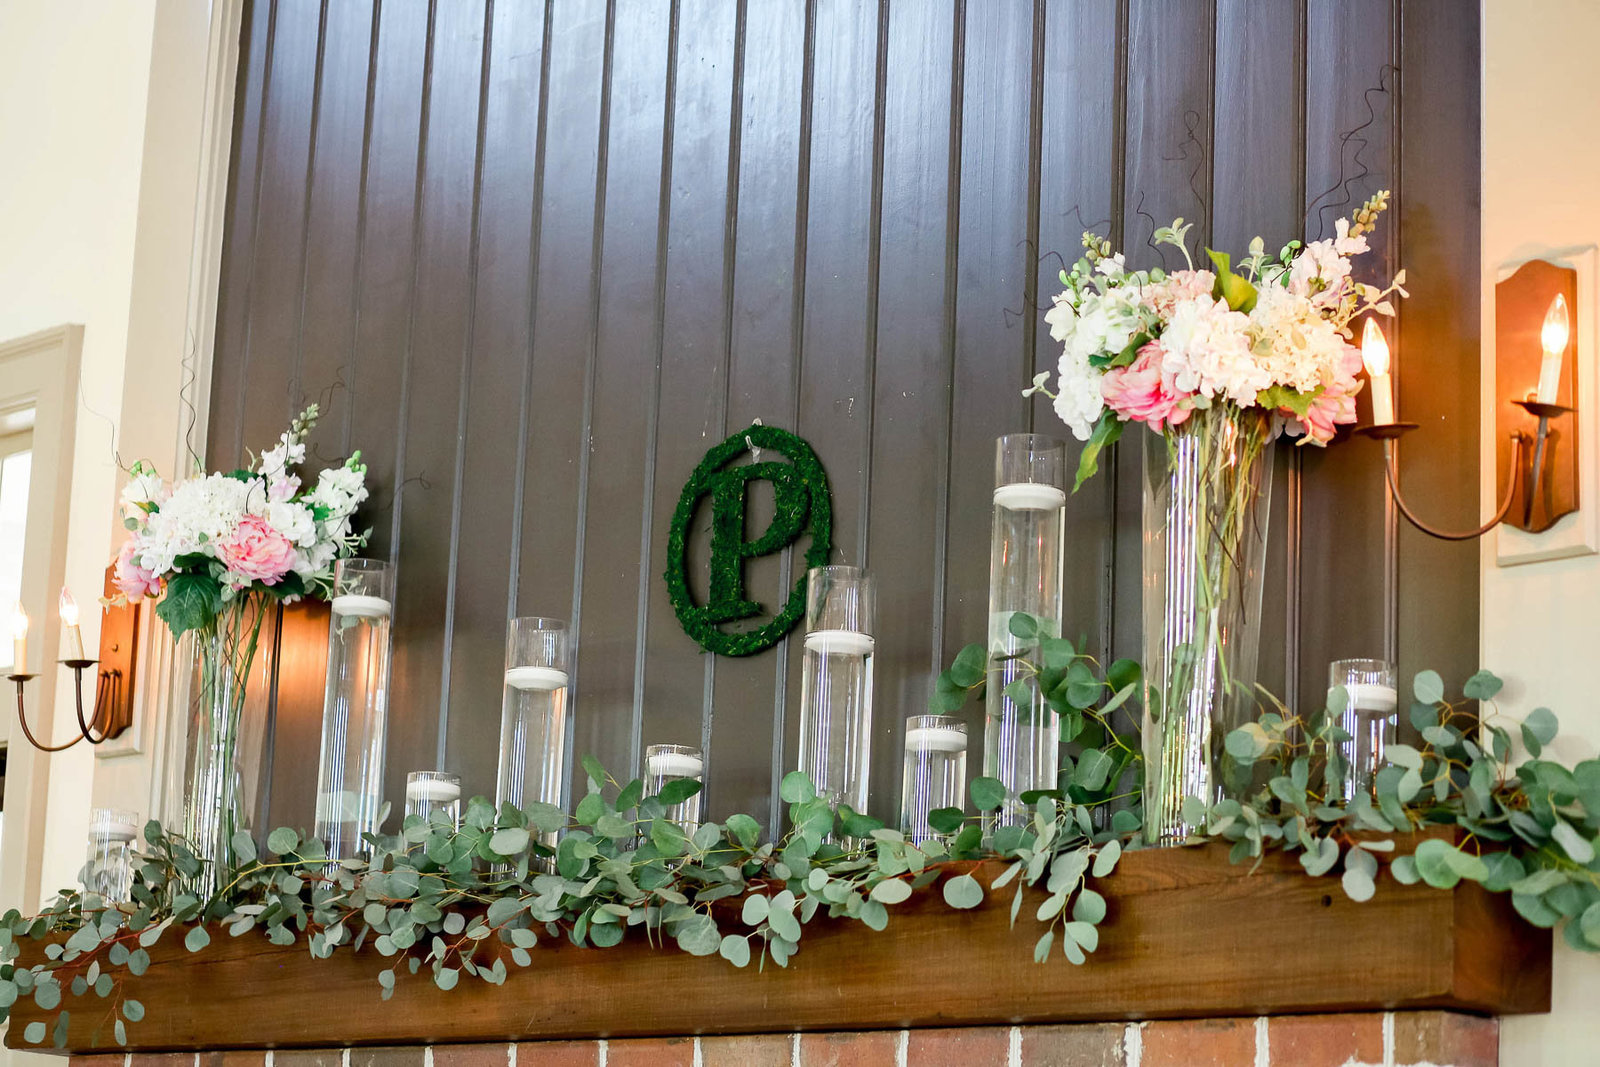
840 642
936 739
675 765
1029 496
19 640
1553 339
115 831
541 678
1375 354
1369 697
371 607
435 789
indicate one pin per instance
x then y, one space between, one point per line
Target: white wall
101 107
1541 622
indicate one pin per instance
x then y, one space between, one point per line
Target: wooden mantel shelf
1187 935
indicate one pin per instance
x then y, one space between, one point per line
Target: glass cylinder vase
665 764
355 706
533 715
1206 489
836 684
108 871
1021 741
430 793
935 773
1370 715
221 745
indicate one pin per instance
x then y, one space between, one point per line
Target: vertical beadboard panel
540 257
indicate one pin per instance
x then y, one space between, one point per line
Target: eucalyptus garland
802 505
473 901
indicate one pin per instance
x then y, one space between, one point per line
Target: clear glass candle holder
935 773
1022 741
355 706
836 684
533 716
108 870
665 764
1370 717
434 793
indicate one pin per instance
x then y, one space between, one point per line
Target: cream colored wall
1541 622
101 109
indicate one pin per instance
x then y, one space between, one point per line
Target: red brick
387 1056
1081 1045
558 1054
156 1059
1325 1040
114 1060
315 1057
1446 1039
972 1045
496 1055
1199 1043
647 1052
237 1058
869 1048
747 1050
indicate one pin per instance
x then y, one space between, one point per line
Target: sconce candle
19 640
1553 339
1375 354
71 636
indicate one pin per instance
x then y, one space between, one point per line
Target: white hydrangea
196 514
145 489
1206 348
1294 344
1078 401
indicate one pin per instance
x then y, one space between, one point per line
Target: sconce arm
1448 535
22 718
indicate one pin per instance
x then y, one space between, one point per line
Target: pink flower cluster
133 580
256 551
1144 392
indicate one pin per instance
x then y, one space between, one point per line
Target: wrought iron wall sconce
112 710
1527 476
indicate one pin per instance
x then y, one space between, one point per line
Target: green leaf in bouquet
1105 434
191 603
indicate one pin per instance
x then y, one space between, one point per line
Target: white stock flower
1078 401
1319 273
294 521
1343 243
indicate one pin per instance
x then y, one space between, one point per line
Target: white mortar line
427 1056
268 1062
1133 1045
511 1055
902 1043
604 1048
344 1057
1014 1047
1388 1039
1263 1043
794 1051
699 1057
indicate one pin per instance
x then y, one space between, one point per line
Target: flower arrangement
212 541
1155 348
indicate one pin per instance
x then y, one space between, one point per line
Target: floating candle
541 678
1369 697
840 642
936 739
371 607
434 789
675 765
1029 496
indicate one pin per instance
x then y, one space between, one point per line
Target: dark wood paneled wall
537 257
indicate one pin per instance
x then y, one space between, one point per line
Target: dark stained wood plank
428 455
496 393
912 382
272 345
750 693
1256 174
1078 191
839 328
331 276
221 448
625 360
694 355
1345 583
1437 349
1168 950
995 268
299 665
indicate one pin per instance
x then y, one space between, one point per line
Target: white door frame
42 370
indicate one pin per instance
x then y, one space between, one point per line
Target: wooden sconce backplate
119 647
1520 303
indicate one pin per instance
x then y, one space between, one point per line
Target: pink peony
1337 405
1143 393
1177 287
134 581
256 551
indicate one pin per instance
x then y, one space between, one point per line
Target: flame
19 622
1553 336
69 608
1374 350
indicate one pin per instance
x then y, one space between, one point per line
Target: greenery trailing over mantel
473 902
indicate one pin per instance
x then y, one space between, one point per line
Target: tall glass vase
1206 488
223 746
355 707
1022 741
